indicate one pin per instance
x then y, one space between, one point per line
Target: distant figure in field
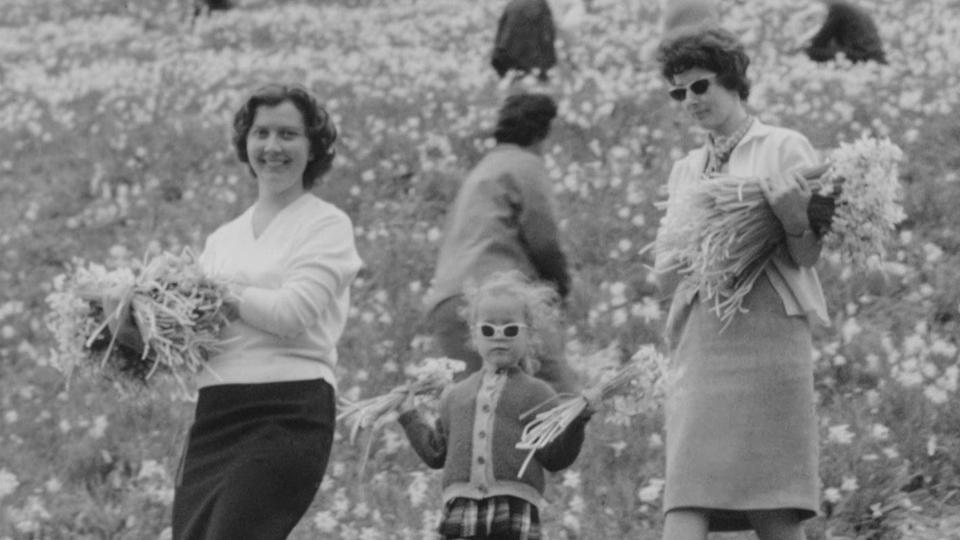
676 14
503 219
525 39
206 6
847 29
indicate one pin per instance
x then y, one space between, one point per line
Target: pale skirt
740 413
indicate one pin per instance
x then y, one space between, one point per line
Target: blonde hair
539 303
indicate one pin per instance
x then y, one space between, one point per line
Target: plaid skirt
502 517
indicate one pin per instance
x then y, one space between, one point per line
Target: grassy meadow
114 142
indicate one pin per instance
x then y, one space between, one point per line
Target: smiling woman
264 423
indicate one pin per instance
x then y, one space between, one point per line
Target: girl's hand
788 196
594 399
407 404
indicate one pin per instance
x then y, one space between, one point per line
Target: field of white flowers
114 122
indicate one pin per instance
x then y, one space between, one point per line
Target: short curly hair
540 306
706 47
320 131
524 119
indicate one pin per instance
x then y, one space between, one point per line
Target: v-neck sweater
295 279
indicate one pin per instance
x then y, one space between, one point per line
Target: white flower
849 484
651 492
618 448
151 468
417 490
571 522
840 434
577 504
832 495
361 510
98 428
325 522
936 395
880 432
52 485
655 440
28 518
571 479
8 483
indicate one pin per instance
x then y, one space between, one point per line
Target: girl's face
278 149
713 107
500 331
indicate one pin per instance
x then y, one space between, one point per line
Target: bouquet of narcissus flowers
727 232
634 388
428 378
160 317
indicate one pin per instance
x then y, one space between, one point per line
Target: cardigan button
480 460
486 408
482 434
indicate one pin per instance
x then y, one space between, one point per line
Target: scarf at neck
720 147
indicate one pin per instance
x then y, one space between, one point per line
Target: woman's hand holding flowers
788 196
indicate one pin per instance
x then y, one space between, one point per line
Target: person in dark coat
847 29
525 39
206 6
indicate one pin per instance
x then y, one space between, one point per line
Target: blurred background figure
677 14
572 14
525 39
503 219
206 6
846 29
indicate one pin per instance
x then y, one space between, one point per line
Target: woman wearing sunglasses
741 428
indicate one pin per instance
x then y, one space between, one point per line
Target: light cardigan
475 437
764 151
296 277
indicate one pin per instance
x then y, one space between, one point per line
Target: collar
511 370
722 146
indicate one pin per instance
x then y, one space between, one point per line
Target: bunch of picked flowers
634 388
728 233
159 317
428 378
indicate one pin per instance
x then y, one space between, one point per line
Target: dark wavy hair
524 119
319 127
706 47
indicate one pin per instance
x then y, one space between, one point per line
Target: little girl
479 420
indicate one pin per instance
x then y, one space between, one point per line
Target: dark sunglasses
509 330
698 87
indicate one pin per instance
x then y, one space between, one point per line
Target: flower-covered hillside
115 122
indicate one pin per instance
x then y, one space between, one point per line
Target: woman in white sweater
264 420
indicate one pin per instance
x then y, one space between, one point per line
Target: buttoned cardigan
763 151
474 438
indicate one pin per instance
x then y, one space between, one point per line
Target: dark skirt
254 460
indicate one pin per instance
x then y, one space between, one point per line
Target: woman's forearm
804 247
